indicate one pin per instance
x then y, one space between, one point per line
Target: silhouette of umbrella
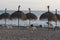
5 16
48 15
31 16
18 14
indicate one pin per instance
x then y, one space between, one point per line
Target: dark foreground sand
40 34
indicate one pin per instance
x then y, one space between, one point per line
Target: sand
40 34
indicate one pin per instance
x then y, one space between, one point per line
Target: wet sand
27 34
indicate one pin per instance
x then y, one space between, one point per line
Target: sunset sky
33 4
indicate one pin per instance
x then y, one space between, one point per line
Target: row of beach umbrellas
30 16
50 16
18 14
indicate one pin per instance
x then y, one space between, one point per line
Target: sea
37 22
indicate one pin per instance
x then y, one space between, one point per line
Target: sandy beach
40 34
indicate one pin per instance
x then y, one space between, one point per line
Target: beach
29 20
26 34
29 26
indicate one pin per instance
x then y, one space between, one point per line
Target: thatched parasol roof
5 15
18 14
48 15
57 15
31 16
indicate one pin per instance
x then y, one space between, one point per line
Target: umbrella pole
29 22
48 24
5 22
56 19
18 22
56 23
48 31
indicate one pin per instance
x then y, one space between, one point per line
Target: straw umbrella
18 14
58 17
5 16
48 15
31 16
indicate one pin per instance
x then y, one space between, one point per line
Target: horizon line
27 10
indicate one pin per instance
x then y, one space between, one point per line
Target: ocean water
26 22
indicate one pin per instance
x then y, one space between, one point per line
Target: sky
33 4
